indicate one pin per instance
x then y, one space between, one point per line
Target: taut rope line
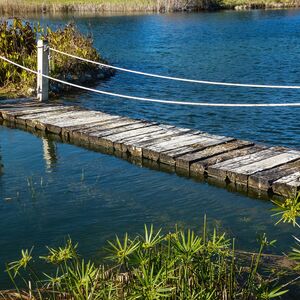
154 100
178 78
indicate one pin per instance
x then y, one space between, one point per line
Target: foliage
176 265
18 43
289 212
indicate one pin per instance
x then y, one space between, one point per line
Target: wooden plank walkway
195 153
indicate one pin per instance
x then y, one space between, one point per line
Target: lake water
50 190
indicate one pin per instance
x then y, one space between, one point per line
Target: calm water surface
49 190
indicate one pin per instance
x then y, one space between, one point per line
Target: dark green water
50 190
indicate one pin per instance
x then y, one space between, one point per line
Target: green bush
18 43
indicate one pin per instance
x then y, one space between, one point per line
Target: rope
181 79
153 100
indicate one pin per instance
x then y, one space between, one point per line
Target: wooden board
184 161
203 166
137 145
287 186
70 131
154 150
241 174
169 157
12 114
107 138
54 123
223 169
83 132
263 180
140 146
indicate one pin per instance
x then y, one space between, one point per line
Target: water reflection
1 164
49 153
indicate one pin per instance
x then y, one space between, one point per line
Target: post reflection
1 164
49 154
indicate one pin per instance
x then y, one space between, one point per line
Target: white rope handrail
154 100
178 78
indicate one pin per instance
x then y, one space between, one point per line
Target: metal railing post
42 68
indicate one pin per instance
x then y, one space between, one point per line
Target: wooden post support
43 68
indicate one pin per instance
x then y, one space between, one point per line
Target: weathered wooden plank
124 144
223 169
20 108
121 138
12 114
117 143
154 150
54 123
17 107
263 180
161 131
37 118
135 147
169 157
202 166
117 130
140 144
74 119
186 160
82 132
165 128
68 118
241 174
69 131
287 186
108 137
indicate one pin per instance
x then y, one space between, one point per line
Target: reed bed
35 6
125 6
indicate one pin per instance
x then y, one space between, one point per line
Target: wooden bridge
226 160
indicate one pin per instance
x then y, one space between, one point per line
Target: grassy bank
38 6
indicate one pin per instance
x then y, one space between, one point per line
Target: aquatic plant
289 212
176 265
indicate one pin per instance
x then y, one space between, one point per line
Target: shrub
18 43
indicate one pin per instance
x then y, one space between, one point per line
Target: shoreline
135 6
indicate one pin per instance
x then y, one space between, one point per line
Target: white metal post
43 68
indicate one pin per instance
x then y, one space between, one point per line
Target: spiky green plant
175 265
289 212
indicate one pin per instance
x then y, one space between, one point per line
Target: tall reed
105 5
